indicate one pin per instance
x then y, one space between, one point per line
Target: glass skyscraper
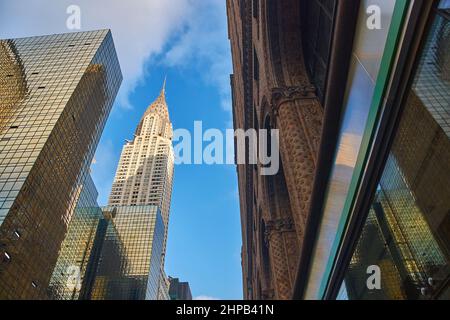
55 95
128 267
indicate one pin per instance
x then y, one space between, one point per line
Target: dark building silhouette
179 290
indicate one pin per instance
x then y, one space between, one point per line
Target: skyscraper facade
164 284
145 171
144 180
128 266
55 95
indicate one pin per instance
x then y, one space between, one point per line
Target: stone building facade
277 83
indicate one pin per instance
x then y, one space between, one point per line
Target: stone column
282 256
298 115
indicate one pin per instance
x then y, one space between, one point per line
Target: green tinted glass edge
400 10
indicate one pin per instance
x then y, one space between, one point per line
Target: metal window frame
339 61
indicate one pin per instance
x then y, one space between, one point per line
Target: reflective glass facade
407 231
55 95
136 233
107 264
163 290
69 273
368 49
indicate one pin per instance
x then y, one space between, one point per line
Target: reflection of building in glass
407 232
128 267
12 82
56 92
71 268
164 283
107 264
433 80
179 290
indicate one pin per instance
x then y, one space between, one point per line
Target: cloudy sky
187 41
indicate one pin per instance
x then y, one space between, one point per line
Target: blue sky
187 41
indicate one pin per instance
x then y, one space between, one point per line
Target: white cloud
140 28
205 298
204 44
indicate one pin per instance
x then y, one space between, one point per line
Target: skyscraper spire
159 106
162 94
164 85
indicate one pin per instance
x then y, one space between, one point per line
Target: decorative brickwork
274 209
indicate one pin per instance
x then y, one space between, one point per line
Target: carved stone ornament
282 95
278 226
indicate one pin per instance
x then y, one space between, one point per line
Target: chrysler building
145 170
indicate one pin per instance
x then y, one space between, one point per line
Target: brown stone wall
271 88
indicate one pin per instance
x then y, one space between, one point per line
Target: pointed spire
163 90
159 106
164 84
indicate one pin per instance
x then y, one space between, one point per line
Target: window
317 34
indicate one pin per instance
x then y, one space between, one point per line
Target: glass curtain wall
407 232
